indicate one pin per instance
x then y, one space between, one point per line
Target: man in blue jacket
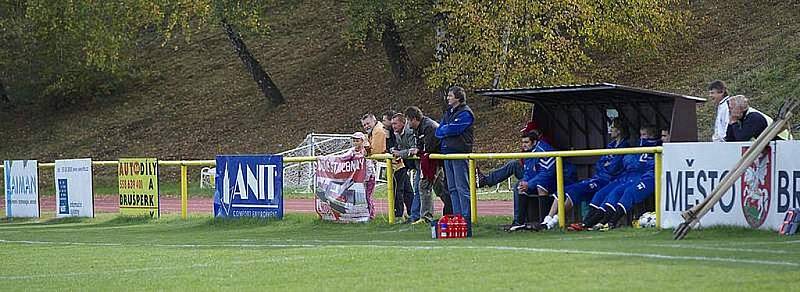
539 179
456 134
606 169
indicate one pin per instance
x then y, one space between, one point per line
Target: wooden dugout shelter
576 117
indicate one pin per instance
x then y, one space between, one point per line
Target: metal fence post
473 193
390 189
658 188
562 216
184 192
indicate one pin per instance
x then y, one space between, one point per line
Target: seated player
603 208
606 169
539 179
513 167
633 194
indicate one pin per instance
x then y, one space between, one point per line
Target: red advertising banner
341 188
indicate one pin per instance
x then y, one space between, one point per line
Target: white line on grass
495 248
149 269
686 246
609 253
63 243
745 243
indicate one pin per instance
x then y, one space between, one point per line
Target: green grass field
302 253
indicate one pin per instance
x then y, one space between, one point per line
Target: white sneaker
552 223
546 219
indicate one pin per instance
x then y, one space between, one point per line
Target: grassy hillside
754 46
199 100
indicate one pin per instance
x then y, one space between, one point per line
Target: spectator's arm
730 135
748 128
403 153
461 123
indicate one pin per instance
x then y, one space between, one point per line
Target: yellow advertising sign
138 187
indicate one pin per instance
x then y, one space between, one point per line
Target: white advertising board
74 193
758 199
21 188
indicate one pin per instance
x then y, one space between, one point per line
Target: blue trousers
415 204
584 190
457 175
636 193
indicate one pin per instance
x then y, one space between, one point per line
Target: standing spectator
404 142
376 145
361 148
719 95
376 133
387 124
456 134
430 170
746 123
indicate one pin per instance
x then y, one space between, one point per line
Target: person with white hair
747 123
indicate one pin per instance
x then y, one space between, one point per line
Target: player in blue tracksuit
606 169
603 204
539 179
637 192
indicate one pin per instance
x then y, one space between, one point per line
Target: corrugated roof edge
581 87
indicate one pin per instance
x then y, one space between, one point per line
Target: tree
511 43
527 43
68 49
3 95
386 20
268 88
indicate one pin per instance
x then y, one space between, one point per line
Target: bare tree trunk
440 53
500 67
270 90
3 96
396 52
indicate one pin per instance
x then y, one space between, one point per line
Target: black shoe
593 217
480 180
508 226
535 227
609 216
614 222
517 227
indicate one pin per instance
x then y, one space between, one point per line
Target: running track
110 204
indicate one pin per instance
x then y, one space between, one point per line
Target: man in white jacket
719 95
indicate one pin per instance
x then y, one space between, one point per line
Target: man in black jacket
430 171
747 123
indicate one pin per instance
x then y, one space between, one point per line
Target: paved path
110 204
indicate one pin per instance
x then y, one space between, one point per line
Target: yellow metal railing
559 172
471 157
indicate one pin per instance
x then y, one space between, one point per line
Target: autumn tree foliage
78 48
509 43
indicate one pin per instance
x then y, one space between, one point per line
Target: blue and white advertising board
22 188
249 186
74 193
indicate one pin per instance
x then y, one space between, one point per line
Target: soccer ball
647 220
